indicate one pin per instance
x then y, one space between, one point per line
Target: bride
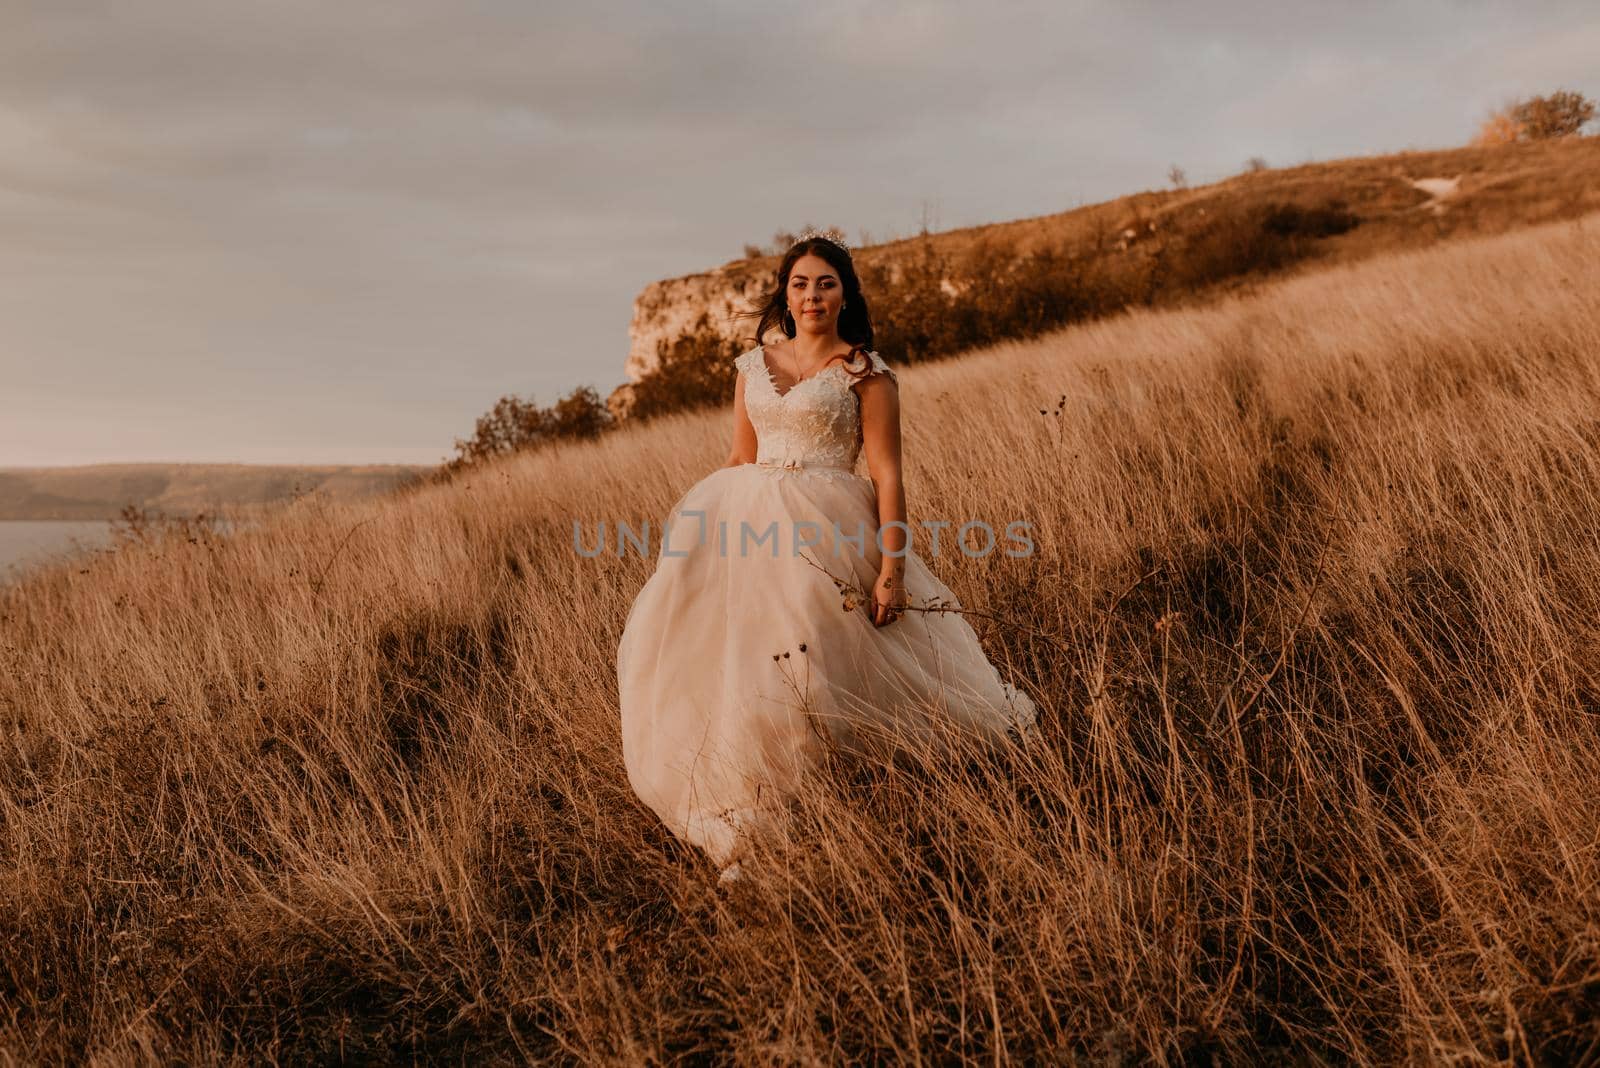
787 613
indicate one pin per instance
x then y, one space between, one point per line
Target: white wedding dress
738 653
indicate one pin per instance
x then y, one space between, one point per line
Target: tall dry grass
1313 618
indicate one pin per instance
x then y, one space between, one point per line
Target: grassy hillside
1314 621
944 294
101 491
1502 187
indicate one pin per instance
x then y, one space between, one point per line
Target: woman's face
815 295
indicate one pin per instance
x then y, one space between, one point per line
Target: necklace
798 378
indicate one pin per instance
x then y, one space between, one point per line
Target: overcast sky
297 231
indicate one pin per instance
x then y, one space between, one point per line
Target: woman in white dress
745 656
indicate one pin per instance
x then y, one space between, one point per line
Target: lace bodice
816 424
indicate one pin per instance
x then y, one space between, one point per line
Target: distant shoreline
100 492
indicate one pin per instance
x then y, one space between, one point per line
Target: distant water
26 543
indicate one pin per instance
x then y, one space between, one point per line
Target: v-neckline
772 384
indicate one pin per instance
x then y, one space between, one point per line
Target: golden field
1312 619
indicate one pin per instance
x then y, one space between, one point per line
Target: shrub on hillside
1233 240
1006 296
910 303
1563 113
1498 129
694 370
1242 239
514 424
1297 220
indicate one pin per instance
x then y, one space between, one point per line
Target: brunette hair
855 321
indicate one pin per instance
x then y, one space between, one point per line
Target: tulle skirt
743 660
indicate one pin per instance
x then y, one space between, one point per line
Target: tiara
835 236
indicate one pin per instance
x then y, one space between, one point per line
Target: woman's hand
888 598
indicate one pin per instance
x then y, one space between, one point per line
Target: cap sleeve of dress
743 362
880 365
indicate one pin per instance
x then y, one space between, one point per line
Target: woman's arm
744 432
880 440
